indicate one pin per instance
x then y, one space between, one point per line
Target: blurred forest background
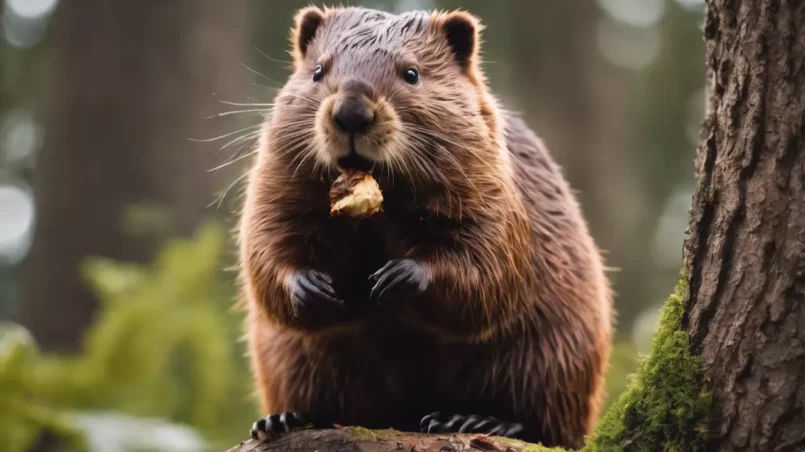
118 331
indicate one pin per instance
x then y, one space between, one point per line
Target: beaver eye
411 76
318 73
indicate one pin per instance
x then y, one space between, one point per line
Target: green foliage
664 406
164 345
23 414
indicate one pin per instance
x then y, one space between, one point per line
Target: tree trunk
745 253
130 83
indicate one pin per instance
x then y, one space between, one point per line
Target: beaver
476 301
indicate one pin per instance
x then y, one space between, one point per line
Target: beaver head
401 95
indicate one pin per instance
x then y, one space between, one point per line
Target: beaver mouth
353 161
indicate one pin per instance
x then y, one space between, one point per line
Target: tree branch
358 439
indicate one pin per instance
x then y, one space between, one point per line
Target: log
358 439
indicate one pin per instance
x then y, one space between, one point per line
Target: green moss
527 447
385 433
665 406
363 434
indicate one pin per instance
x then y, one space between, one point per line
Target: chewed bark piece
356 194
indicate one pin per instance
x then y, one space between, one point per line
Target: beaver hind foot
277 424
457 423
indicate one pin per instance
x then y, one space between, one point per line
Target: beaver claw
398 277
312 290
439 423
277 424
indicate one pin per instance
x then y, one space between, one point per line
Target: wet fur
516 321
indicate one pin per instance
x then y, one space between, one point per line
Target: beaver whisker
291 94
427 168
303 121
209 140
427 134
279 85
385 172
432 118
238 156
297 148
238 112
440 149
318 168
306 153
266 87
313 101
393 165
272 59
247 146
403 159
300 132
430 133
278 89
244 137
246 104
305 115
220 199
294 138
295 145
424 168
233 160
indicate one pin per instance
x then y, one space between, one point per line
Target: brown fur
516 320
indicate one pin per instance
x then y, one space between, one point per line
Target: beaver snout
353 112
356 126
353 115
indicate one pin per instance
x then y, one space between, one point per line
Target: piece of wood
357 439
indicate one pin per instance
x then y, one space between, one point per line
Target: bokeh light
636 13
626 46
17 206
24 21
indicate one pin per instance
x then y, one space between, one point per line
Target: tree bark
363 440
745 252
130 83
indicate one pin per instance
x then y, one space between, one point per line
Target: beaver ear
463 34
307 21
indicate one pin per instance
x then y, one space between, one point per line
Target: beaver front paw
398 278
312 294
457 423
277 424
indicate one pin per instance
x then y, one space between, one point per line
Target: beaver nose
353 112
353 116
